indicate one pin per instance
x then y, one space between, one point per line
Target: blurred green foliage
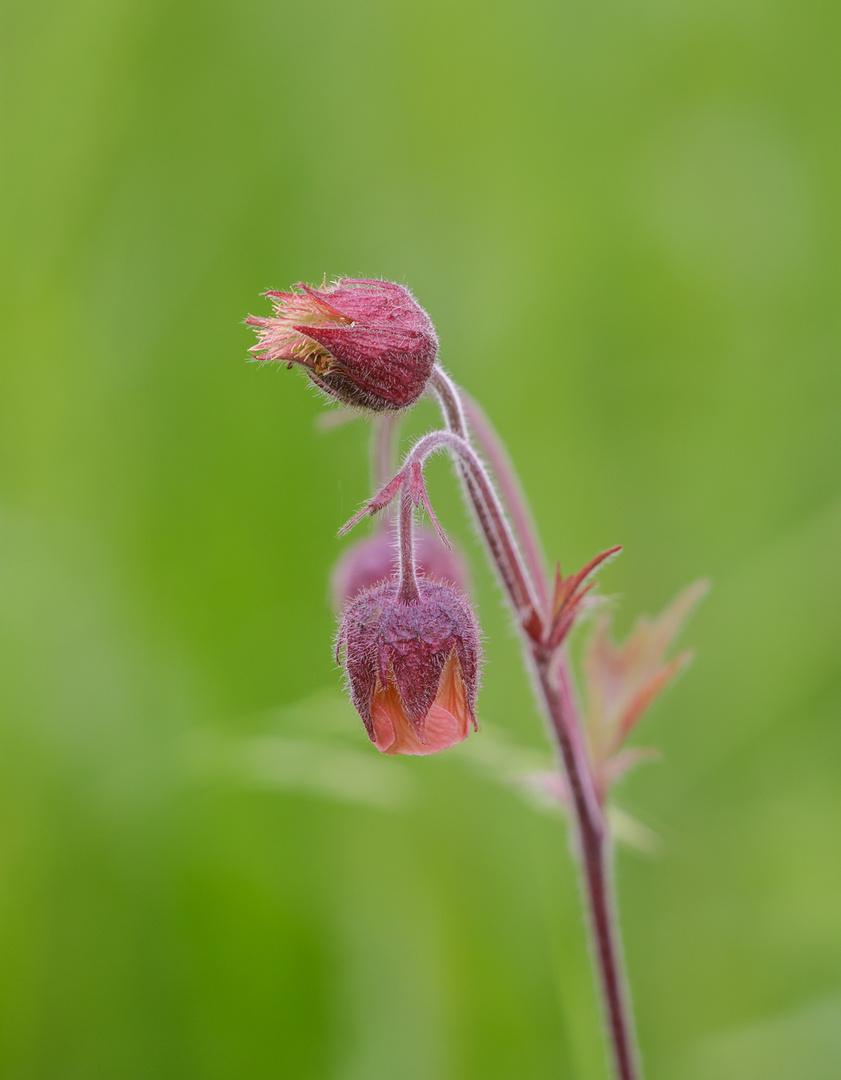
625 221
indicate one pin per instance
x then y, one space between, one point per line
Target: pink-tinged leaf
623 680
647 693
417 487
625 760
565 587
570 595
387 494
374 505
354 521
532 624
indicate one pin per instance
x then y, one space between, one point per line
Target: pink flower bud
412 667
374 560
366 343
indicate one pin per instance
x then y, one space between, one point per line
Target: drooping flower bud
412 667
366 343
375 559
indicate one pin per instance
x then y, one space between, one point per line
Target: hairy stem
501 542
554 680
594 848
408 591
512 491
488 507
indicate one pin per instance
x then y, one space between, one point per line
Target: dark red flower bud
366 343
375 559
412 667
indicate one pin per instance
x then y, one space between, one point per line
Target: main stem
594 848
553 678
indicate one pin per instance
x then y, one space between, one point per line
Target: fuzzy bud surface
412 667
374 560
366 343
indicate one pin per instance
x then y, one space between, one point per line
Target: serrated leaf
621 681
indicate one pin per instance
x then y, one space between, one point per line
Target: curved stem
512 491
554 680
450 399
487 509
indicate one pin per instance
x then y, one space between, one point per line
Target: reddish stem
515 576
594 849
553 678
408 591
502 545
512 492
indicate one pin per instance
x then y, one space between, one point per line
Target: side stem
408 591
489 511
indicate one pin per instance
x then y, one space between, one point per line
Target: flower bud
375 559
412 667
366 343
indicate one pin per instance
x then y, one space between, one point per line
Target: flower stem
512 492
556 695
501 542
605 931
594 850
408 591
489 511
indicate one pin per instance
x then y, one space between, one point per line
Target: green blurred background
625 221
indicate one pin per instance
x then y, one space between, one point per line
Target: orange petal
448 721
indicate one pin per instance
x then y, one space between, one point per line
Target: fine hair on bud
375 559
363 342
412 667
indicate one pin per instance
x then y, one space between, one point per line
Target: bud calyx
366 343
412 667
